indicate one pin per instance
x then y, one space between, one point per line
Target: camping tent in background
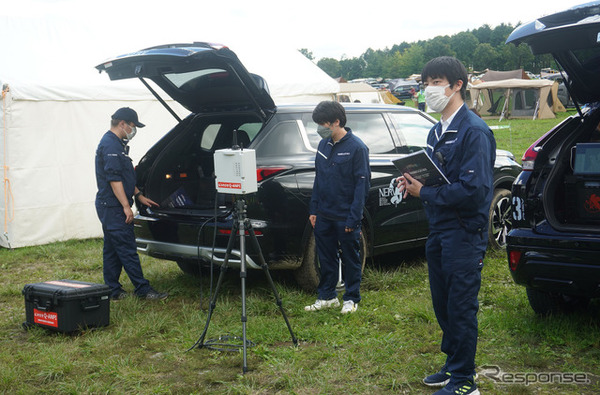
364 93
291 76
49 138
494 75
516 98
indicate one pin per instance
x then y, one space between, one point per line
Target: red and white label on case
48 318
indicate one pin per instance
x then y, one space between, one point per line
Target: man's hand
411 185
128 214
147 202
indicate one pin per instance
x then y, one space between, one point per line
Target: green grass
516 135
385 348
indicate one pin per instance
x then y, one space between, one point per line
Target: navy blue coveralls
120 251
458 220
341 186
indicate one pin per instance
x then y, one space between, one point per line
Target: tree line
479 49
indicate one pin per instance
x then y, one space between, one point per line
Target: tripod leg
265 269
242 230
200 342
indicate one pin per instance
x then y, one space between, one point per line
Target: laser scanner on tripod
235 171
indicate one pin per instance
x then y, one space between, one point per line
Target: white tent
55 109
360 92
49 137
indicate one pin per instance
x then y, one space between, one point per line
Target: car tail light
513 259
529 156
262 173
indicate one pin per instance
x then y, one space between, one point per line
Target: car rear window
187 80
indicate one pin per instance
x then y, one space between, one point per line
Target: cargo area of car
572 188
182 177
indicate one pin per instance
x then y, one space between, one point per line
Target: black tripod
240 226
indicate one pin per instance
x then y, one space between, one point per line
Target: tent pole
7 191
537 108
506 99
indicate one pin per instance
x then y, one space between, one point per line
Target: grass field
386 347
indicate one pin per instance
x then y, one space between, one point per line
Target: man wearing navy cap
115 177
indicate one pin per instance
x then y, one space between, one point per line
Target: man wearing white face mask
463 146
115 177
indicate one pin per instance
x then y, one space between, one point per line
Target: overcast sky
97 30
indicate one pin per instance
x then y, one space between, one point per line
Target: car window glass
283 139
370 128
251 128
373 131
181 79
413 129
209 135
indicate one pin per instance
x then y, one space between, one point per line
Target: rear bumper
568 265
172 251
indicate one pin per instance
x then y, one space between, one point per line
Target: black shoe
439 379
154 295
120 295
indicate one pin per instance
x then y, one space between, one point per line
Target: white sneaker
323 304
349 307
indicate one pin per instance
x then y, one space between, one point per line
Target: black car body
554 246
193 224
405 89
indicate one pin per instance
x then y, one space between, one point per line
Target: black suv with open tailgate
554 246
227 103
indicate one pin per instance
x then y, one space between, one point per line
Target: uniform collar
345 137
120 140
446 123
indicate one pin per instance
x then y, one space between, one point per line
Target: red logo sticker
230 185
48 318
592 205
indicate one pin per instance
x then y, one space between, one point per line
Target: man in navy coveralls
115 177
463 147
340 188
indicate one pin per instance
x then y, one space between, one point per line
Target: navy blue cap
129 115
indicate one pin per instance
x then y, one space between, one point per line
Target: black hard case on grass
67 305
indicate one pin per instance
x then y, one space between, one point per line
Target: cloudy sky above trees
57 30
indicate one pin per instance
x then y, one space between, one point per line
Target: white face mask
131 134
435 97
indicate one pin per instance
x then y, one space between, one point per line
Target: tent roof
61 68
513 83
494 75
355 87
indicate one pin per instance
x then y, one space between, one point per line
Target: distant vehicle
380 86
404 89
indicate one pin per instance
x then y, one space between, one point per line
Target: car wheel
189 267
308 274
500 222
544 303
